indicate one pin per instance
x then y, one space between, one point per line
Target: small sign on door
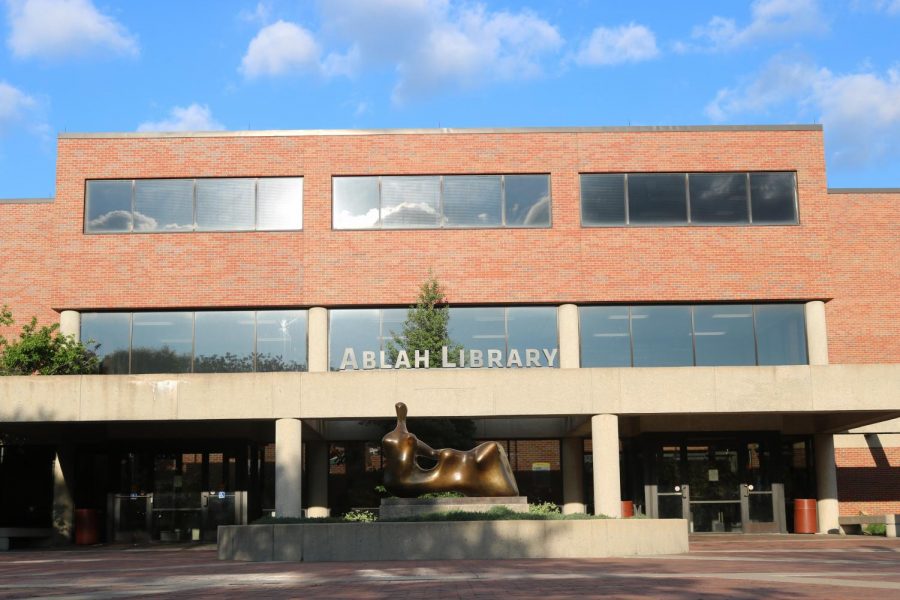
713 474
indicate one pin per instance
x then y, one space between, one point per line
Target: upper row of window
430 202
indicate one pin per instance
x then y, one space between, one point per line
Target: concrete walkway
718 565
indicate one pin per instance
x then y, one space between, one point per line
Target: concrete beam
607 486
569 337
816 333
318 340
288 468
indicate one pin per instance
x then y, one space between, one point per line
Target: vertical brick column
607 487
288 468
569 342
573 475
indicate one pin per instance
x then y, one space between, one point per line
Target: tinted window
163 205
533 327
281 340
355 203
662 336
603 199
392 322
279 203
605 337
359 329
223 342
472 201
781 334
527 200
657 198
112 331
225 204
719 198
161 342
724 335
410 201
772 197
108 206
479 329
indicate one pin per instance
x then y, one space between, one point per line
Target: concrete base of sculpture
398 508
319 542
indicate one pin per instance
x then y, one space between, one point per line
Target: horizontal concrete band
453 540
471 393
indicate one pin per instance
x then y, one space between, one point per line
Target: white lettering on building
451 358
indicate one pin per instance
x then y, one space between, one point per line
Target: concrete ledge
853 524
398 508
320 542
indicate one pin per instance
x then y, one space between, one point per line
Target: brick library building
679 322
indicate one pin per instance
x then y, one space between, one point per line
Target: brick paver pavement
718 566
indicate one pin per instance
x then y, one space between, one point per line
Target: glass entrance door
713 483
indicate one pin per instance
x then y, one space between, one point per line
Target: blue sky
99 65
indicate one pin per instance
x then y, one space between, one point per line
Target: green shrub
360 516
875 529
442 495
544 508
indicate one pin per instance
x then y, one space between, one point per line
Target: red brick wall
868 480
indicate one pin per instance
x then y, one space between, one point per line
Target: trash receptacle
805 516
87 526
627 508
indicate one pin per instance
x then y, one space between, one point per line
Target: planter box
316 542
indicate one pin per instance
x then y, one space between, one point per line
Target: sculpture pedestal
396 508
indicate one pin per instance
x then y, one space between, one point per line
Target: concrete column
70 324
569 343
607 489
317 472
288 468
63 510
816 333
318 340
573 475
826 484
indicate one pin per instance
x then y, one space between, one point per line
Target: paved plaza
718 566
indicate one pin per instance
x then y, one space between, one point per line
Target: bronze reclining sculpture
482 471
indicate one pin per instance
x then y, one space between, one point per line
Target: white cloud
770 19
260 14
891 7
55 29
14 105
623 44
860 111
279 49
195 117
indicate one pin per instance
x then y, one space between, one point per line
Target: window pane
527 200
410 201
724 335
472 201
605 340
718 198
225 204
772 197
533 327
657 199
602 199
223 342
479 329
359 329
662 336
781 334
279 203
392 322
281 340
161 342
108 206
355 202
112 332
164 205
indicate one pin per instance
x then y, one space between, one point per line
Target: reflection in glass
112 331
163 204
161 342
355 204
225 204
279 203
662 336
281 340
724 335
482 328
108 206
527 200
472 201
716 518
392 322
409 202
603 199
718 197
359 329
772 197
533 327
605 337
223 342
781 334
657 198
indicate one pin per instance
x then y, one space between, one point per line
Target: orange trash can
87 526
805 516
627 508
